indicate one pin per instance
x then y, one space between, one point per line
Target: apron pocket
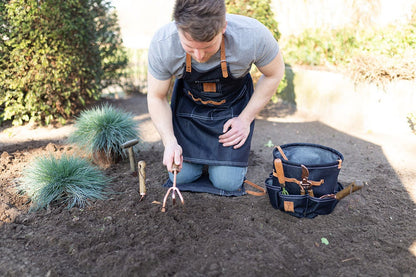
211 99
187 109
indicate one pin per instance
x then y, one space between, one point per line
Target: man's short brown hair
201 19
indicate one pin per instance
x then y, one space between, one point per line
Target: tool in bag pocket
304 181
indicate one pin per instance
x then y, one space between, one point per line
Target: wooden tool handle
130 143
142 177
348 190
175 167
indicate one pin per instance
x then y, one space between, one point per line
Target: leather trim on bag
256 193
279 174
289 206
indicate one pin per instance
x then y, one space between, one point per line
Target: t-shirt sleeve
155 66
267 47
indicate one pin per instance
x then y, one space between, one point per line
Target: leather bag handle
256 193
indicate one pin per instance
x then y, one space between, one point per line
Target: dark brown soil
370 233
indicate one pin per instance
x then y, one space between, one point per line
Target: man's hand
173 155
236 131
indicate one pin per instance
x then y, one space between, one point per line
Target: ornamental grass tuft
102 131
66 180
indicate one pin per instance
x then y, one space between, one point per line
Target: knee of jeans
187 175
228 178
183 179
227 183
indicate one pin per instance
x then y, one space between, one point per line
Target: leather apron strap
223 60
188 63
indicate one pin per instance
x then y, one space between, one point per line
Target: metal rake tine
164 200
173 197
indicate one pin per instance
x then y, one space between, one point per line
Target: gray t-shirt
247 42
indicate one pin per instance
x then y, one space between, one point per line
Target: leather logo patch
289 206
210 87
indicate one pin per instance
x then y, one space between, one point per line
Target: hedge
57 57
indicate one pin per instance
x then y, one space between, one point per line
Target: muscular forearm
159 109
265 89
161 116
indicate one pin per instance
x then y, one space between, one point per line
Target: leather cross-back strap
280 175
223 60
188 63
256 193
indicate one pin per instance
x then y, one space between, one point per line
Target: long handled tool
348 190
129 146
344 192
142 179
172 189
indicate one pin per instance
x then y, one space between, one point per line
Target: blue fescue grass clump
104 129
66 180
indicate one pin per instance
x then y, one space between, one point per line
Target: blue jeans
229 178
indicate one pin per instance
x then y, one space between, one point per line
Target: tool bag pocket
302 174
321 206
299 205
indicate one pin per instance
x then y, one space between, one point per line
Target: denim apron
201 104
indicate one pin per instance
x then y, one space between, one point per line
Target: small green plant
102 131
66 180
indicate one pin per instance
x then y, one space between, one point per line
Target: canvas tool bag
303 176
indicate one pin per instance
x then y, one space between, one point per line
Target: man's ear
225 27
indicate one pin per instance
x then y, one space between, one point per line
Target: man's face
200 51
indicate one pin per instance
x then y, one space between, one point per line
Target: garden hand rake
172 189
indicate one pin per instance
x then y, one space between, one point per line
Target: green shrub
103 130
320 47
67 180
376 55
3 52
135 74
114 58
60 54
262 11
258 9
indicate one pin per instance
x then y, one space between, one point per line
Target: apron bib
201 104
